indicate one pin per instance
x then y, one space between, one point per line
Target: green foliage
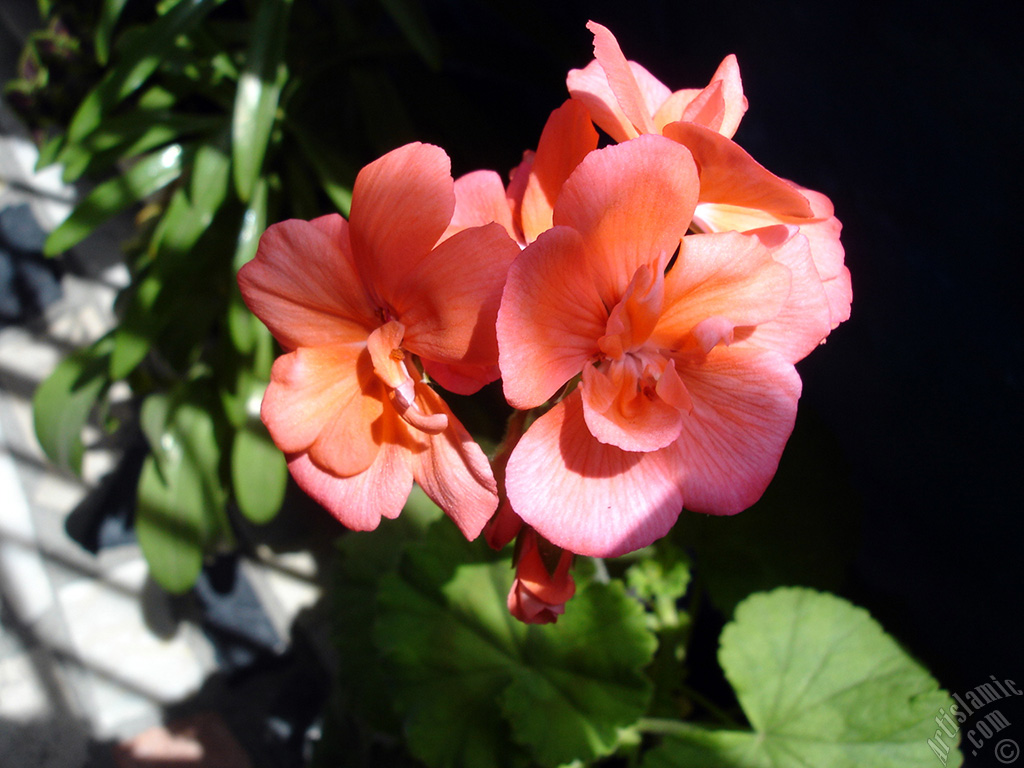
63 403
821 684
208 118
471 685
180 495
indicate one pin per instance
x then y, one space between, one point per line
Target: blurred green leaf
821 684
133 336
126 136
259 89
254 221
143 54
477 687
110 12
169 535
64 400
148 175
180 496
208 185
259 473
410 18
49 150
660 580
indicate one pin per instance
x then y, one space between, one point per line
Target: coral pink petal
503 526
728 74
653 92
480 199
828 254
303 286
729 175
401 206
622 80
359 501
632 420
324 401
725 275
822 234
449 300
587 497
519 177
804 320
707 108
674 106
453 470
744 407
458 378
632 203
550 319
840 296
567 138
590 87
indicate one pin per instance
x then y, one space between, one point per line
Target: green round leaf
478 688
822 685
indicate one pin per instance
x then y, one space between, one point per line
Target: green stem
666 726
720 714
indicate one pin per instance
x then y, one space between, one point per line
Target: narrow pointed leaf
150 174
259 89
110 12
64 400
143 54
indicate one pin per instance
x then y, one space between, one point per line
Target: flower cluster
643 303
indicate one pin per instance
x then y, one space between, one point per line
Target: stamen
392 368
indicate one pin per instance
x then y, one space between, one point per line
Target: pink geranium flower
524 209
362 308
737 193
679 351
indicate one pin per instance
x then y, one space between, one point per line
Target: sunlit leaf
254 221
259 89
133 337
124 137
64 400
822 685
180 496
148 175
168 533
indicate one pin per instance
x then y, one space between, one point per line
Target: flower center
632 368
400 376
